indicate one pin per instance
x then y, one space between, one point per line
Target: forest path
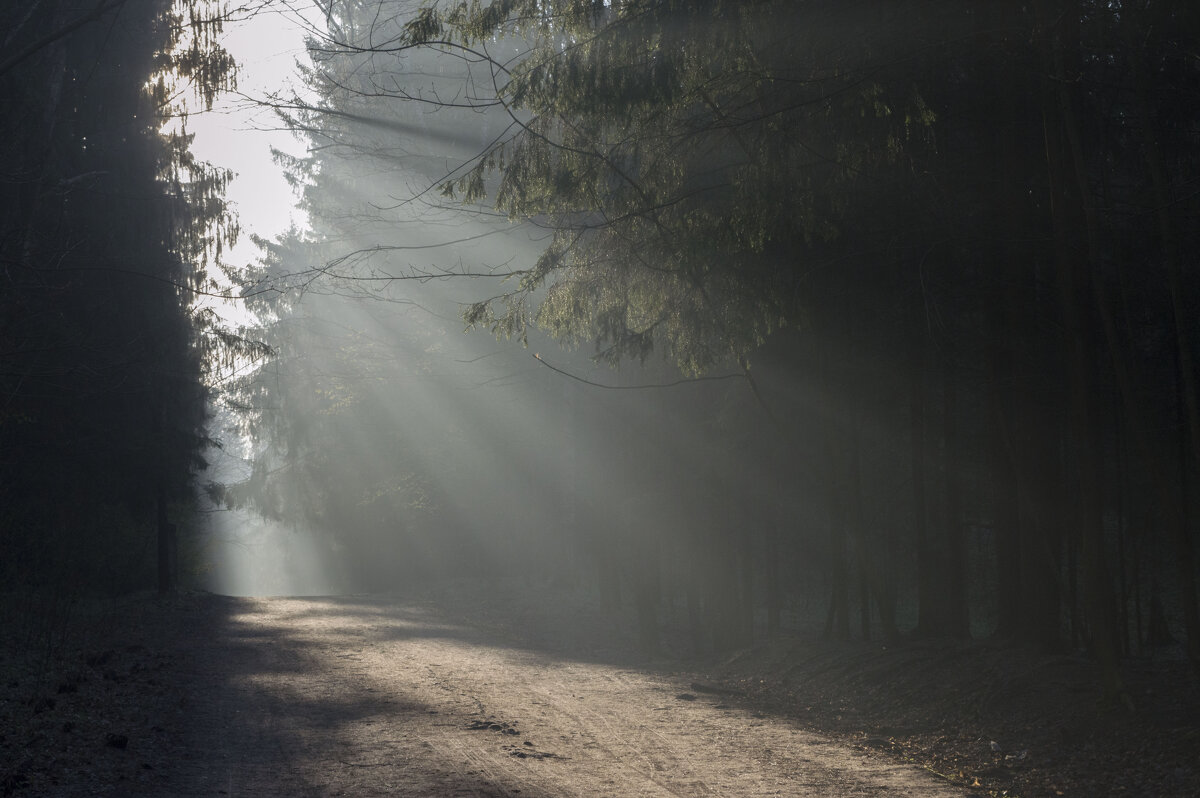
366 696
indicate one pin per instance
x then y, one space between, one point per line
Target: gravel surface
489 689
367 696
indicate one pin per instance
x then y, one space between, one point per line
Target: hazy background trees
879 316
931 260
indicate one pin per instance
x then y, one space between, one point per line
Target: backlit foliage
689 158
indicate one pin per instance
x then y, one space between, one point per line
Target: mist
556 314
387 444
557 397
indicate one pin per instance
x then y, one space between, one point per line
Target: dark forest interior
873 320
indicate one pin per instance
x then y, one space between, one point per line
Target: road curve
376 696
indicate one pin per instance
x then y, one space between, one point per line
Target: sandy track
366 696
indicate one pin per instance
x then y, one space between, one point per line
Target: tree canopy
967 224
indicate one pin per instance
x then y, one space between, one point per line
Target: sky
239 136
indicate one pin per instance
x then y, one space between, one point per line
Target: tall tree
869 198
104 223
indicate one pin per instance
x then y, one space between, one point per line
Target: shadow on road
306 695
286 697
403 694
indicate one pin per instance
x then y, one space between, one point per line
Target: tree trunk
954 567
854 518
1185 360
164 536
771 565
837 622
926 611
695 613
1041 531
1005 497
1075 222
745 632
1011 290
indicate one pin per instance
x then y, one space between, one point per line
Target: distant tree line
949 248
106 224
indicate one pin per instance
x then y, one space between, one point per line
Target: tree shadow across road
467 692
405 694
284 697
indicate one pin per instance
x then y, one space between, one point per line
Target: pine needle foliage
690 157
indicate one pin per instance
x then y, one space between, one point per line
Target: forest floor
505 689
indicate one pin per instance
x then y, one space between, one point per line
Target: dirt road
372 697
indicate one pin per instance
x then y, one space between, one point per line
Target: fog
422 449
838 356
687 311
384 443
389 443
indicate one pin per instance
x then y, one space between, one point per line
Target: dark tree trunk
745 632
771 566
885 588
1011 289
695 613
1041 530
1005 496
837 622
1185 357
926 567
165 537
868 582
1075 226
953 576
